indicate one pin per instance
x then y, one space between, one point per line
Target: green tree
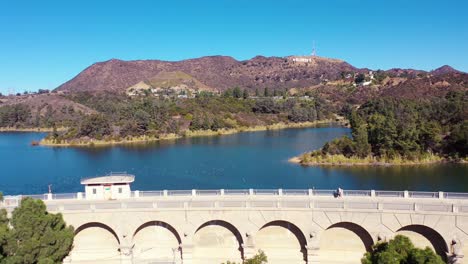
259 258
257 92
4 232
359 132
94 126
457 141
228 93
245 94
400 250
382 133
266 92
236 92
37 236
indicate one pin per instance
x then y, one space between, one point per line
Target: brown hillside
217 72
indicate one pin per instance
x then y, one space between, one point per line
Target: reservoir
245 160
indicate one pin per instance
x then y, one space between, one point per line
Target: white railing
450 195
150 193
358 193
13 201
389 193
63 196
424 194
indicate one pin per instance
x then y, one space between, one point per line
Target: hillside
138 98
214 72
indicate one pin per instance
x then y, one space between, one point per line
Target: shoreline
370 161
37 129
186 134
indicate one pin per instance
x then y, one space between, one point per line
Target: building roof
110 179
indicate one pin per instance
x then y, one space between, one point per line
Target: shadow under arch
436 240
295 230
362 233
229 227
99 225
161 224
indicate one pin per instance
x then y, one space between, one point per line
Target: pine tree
36 236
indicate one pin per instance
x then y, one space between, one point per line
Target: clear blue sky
45 43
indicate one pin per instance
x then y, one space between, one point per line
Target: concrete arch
282 242
423 236
95 241
156 240
344 242
217 241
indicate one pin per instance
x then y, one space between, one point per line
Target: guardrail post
165 193
222 192
251 192
406 194
311 192
79 196
137 194
194 192
372 193
441 195
280 192
49 196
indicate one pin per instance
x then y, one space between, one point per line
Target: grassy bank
317 159
185 134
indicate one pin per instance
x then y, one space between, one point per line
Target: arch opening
282 242
423 236
95 242
157 241
217 241
344 242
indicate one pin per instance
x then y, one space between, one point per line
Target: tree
260 258
94 126
35 235
457 141
266 92
245 94
4 232
359 132
228 93
400 250
236 92
55 134
257 92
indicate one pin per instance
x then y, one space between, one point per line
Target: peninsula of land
399 132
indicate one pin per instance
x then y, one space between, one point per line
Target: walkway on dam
290 226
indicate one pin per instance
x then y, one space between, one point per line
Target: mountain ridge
218 72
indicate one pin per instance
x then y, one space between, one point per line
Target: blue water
245 160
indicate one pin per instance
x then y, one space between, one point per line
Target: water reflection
246 160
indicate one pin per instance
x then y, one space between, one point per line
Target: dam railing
269 198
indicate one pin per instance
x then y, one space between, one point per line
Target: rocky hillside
214 72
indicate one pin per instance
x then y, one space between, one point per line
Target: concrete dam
116 225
